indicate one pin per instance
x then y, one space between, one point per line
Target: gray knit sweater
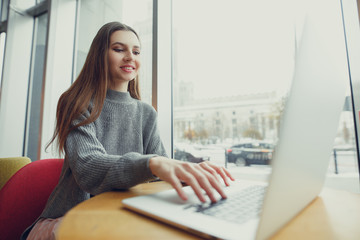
111 153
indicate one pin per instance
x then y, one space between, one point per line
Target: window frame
350 17
163 71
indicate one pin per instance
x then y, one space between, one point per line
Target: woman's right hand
199 176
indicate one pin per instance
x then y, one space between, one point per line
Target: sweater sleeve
95 171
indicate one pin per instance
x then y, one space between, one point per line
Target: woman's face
124 59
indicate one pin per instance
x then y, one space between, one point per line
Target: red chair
23 197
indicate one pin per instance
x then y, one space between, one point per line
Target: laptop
307 131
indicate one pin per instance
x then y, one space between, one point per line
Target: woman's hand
204 176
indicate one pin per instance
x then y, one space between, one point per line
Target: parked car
190 154
246 154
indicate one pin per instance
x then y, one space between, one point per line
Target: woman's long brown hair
90 87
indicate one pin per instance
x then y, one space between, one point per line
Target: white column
59 65
162 70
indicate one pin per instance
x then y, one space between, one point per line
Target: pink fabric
45 229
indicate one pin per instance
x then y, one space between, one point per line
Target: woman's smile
128 68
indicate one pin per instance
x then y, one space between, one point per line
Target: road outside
346 177
345 174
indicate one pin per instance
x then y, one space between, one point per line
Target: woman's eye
118 50
136 53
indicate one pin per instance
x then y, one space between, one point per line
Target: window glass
224 105
231 73
36 84
343 168
135 13
4 10
2 50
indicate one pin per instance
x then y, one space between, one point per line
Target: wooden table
333 215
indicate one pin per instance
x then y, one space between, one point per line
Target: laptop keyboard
239 208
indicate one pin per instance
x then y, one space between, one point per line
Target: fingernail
184 197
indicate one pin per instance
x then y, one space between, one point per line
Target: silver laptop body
308 129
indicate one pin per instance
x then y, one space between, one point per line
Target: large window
2 49
137 14
4 7
35 92
232 69
3 25
232 64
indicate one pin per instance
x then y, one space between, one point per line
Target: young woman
110 138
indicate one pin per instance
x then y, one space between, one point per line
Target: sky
238 47
231 47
